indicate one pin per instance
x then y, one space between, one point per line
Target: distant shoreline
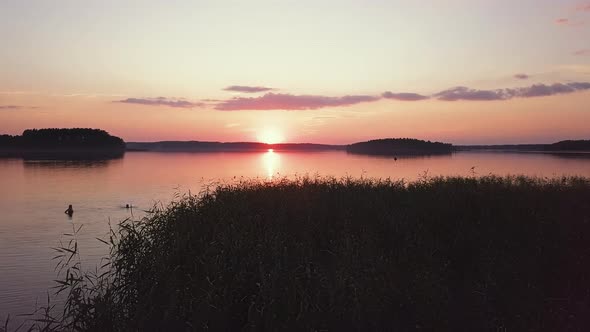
526 151
86 143
205 146
200 146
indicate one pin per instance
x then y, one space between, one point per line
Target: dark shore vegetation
383 147
442 254
579 145
400 147
561 146
70 143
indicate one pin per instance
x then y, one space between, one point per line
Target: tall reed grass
322 254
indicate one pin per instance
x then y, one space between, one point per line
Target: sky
325 71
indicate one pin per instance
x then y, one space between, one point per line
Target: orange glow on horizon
270 136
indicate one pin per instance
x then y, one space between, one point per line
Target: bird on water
69 211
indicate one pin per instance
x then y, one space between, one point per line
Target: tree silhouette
399 146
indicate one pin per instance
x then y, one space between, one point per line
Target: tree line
400 146
62 138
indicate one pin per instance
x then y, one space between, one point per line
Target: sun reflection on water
271 161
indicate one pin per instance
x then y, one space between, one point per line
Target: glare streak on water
34 195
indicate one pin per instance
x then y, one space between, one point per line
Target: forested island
399 147
54 143
578 145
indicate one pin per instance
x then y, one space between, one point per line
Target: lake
34 195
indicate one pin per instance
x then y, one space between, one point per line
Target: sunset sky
460 71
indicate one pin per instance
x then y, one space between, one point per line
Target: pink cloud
562 21
16 107
465 93
536 90
568 22
404 96
247 89
284 101
161 101
584 52
10 107
583 8
279 101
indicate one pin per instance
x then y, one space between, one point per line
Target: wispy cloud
87 95
161 101
574 19
16 107
522 76
584 52
10 107
562 21
279 101
537 90
247 89
17 92
64 95
465 93
285 101
569 22
404 96
541 90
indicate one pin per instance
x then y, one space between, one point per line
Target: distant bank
200 146
384 147
390 146
53 143
85 143
562 146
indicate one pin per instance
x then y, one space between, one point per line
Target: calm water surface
34 195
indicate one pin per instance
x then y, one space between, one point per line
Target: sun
270 136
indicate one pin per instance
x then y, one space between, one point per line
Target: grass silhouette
312 254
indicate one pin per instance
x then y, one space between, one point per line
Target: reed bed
323 254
